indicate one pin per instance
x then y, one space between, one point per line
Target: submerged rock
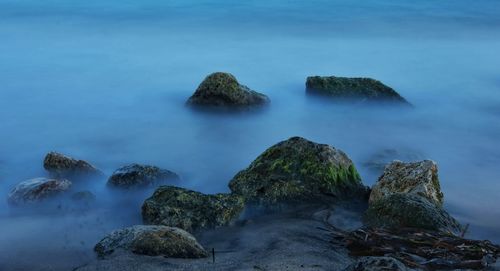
378 160
190 210
153 241
83 196
377 264
222 89
62 166
298 169
36 190
352 88
415 178
136 175
410 211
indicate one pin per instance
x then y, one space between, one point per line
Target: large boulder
298 169
136 175
153 241
190 210
376 264
414 178
62 166
36 190
222 89
352 88
410 211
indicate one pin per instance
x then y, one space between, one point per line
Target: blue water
106 81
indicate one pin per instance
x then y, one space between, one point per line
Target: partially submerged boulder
377 161
352 88
298 169
410 211
376 264
222 89
414 178
190 210
62 166
136 175
153 241
36 190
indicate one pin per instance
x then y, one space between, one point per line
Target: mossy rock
190 210
352 89
417 178
410 211
62 166
298 169
140 176
153 241
223 90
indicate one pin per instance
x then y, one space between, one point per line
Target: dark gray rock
297 169
62 166
377 264
153 241
352 88
222 89
190 210
37 190
140 176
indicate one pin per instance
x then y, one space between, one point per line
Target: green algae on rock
418 178
222 89
352 88
190 210
150 240
297 169
135 175
410 211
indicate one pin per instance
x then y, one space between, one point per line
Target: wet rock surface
298 169
223 90
377 264
37 190
153 241
62 166
141 176
415 178
190 210
346 88
401 210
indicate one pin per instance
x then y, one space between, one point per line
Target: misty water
106 81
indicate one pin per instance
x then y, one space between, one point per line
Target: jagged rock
412 211
298 169
153 241
377 161
352 88
62 166
190 210
222 89
377 264
415 178
136 175
36 190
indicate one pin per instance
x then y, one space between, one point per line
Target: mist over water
106 81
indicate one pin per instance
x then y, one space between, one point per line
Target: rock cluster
222 89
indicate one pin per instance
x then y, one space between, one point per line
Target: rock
352 88
153 241
61 166
377 264
298 169
136 175
36 190
222 89
377 161
415 178
190 210
410 211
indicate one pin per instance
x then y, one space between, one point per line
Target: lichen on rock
415 178
352 88
135 175
153 241
298 169
190 210
222 89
